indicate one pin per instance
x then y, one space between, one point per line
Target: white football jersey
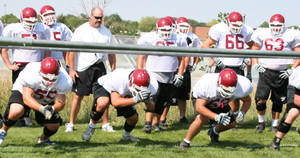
1 27
226 40
118 81
86 33
29 77
195 40
60 32
41 31
206 88
294 79
288 40
161 63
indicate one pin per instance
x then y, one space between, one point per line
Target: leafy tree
222 17
264 24
73 21
212 22
196 23
9 18
148 23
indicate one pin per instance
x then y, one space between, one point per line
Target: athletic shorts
182 92
237 70
16 97
100 91
162 97
15 74
268 82
85 82
291 91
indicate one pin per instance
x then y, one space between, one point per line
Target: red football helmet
235 22
164 28
49 71
28 18
172 20
139 80
276 24
227 82
47 15
182 25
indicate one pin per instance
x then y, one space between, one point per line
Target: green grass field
21 142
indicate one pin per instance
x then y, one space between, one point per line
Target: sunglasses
98 17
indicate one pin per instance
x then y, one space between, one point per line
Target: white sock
187 141
126 133
261 118
93 125
274 122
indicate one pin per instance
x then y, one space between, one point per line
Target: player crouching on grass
123 88
41 86
214 91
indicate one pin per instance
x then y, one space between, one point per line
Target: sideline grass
21 142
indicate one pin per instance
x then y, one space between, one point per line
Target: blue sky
257 11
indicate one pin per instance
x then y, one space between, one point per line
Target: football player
41 86
273 72
181 94
162 68
59 32
30 28
292 110
123 88
213 92
231 35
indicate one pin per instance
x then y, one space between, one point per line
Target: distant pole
244 17
4 13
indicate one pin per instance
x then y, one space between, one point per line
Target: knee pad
95 115
261 106
284 127
48 133
9 122
277 107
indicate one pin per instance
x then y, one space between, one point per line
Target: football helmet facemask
139 80
182 25
164 28
47 15
235 22
28 18
49 72
276 24
227 82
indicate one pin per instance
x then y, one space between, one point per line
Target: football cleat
184 145
298 129
214 138
48 141
184 120
108 128
131 138
260 127
147 127
69 128
28 121
163 124
88 133
273 129
274 145
2 136
156 128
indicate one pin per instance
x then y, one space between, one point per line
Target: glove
245 63
219 63
141 95
208 69
148 100
191 68
178 79
188 41
240 115
285 74
249 76
47 111
259 68
223 118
